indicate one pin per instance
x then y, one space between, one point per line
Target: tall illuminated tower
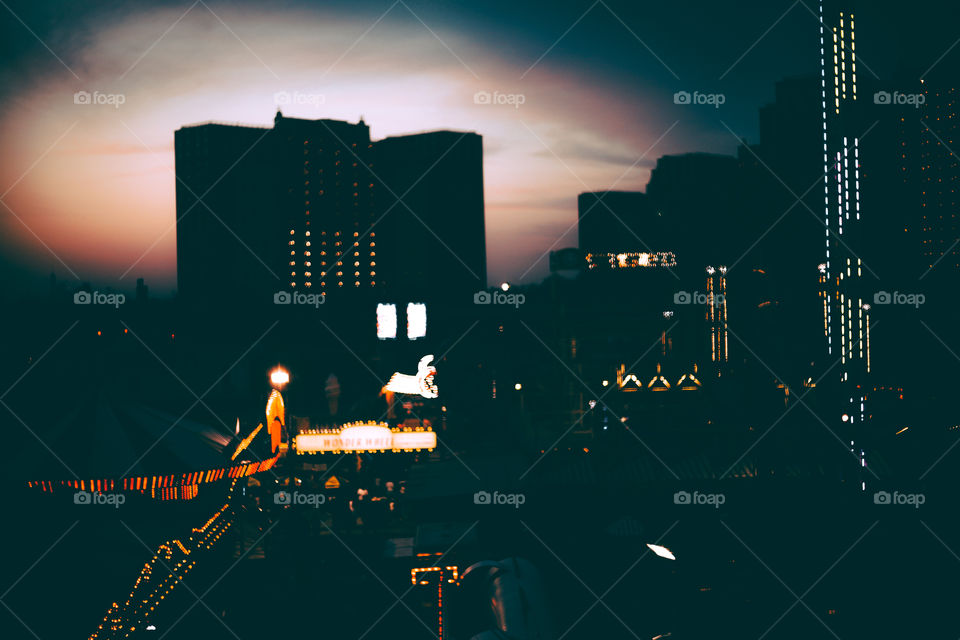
717 317
846 311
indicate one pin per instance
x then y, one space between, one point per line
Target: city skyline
458 322
55 216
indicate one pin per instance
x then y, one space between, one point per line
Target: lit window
386 321
416 320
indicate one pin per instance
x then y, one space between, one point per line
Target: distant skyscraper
847 314
433 214
716 316
619 221
223 205
939 177
312 206
325 200
699 197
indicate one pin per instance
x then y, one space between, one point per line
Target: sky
582 99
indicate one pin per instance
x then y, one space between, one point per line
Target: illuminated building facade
716 317
846 312
939 177
302 206
323 170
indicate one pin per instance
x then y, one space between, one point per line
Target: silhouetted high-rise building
433 214
619 221
325 202
314 206
225 204
698 195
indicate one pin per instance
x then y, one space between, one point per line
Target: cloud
102 197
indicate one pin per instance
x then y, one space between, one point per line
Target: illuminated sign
416 320
631 260
386 321
365 436
419 384
414 440
276 418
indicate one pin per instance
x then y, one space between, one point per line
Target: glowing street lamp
279 377
505 286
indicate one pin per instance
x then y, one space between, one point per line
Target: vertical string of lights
846 315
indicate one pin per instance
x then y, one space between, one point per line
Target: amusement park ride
175 558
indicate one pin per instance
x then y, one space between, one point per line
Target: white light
420 383
518 386
845 417
150 627
663 552
606 382
386 321
416 320
279 377
505 286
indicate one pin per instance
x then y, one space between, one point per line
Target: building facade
315 206
846 309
